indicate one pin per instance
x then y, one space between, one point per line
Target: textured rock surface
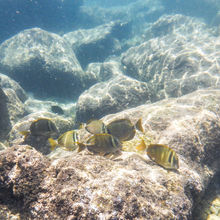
209 207
22 170
183 59
43 63
182 121
35 105
96 44
2 146
138 12
5 124
15 106
114 95
104 71
84 186
15 98
8 83
174 24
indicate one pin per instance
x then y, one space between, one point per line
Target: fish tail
25 133
142 146
139 126
53 143
81 146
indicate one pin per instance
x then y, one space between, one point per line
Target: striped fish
96 127
67 140
102 144
163 155
43 127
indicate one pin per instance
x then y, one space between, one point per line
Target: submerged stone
116 94
73 185
44 64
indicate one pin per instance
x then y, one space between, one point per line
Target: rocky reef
96 44
165 73
179 61
114 95
72 185
46 59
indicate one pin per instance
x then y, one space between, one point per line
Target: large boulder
139 12
85 186
96 44
8 83
116 94
104 71
16 97
5 123
181 60
43 63
16 108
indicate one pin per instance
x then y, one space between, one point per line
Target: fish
142 146
163 155
67 140
96 127
41 127
123 129
101 144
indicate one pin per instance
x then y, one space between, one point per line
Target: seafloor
138 60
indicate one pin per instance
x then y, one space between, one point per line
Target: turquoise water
67 15
82 52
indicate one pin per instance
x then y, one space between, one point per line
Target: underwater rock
6 82
16 108
35 105
5 123
209 207
16 97
2 146
22 171
84 186
188 124
43 63
94 69
96 44
139 12
110 69
114 95
178 62
173 24
104 71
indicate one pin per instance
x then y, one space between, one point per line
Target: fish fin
139 126
142 146
103 154
124 148
81 146
53 143
24 133
82 126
